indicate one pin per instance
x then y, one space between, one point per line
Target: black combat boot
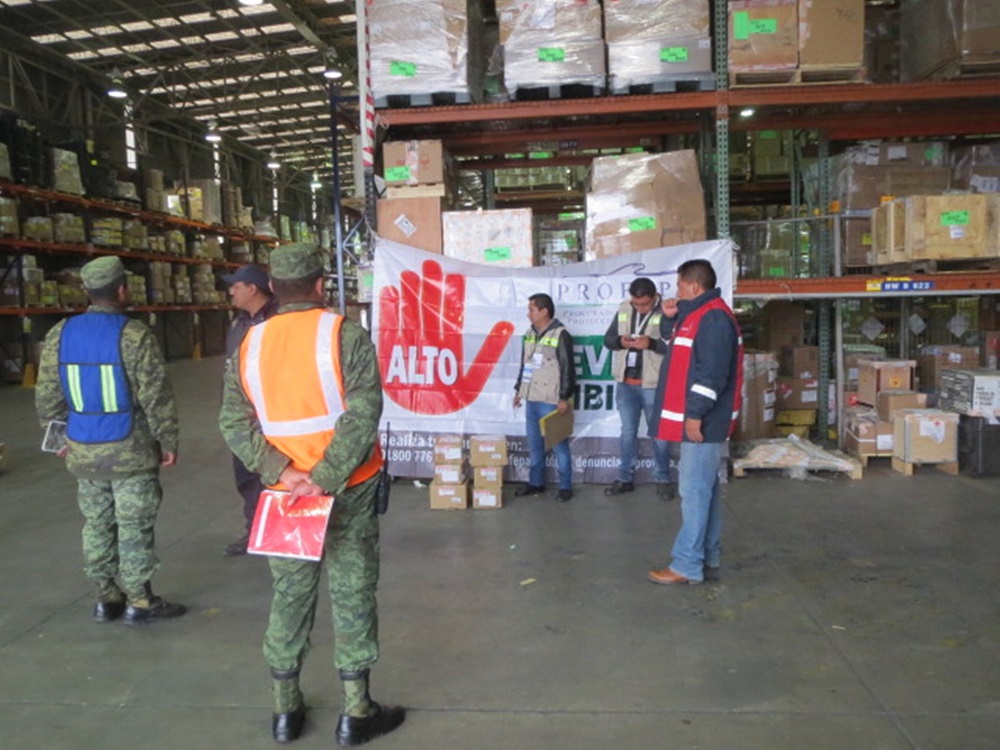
363 719
148 608
289 706
110 601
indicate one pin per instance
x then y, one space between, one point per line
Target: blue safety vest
93 378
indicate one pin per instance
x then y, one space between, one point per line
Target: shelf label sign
903 284
400 68
674 54
551 54
642 224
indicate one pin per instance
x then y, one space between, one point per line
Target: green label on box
551 54
953 218
513 156
400 68
396 174
571 216
768 135
673 54
642 224
496 254
764 26
540 155
741 25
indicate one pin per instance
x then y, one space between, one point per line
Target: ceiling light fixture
333 71
273 163
212 137
748 112
315 184
117 88
251 2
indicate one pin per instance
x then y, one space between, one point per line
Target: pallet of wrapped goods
942 39
763 42
501 237
831 41
445 67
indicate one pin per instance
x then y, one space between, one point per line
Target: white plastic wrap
556 64
634 20
651 60
937 37
525 23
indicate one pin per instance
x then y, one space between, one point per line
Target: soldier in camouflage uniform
345 465
106 378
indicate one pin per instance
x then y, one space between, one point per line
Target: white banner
448 334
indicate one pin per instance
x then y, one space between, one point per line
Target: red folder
290 529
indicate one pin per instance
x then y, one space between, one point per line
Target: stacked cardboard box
643 202
763 35
797 390
66 172
932 360
446 60
488 458
925 436
865 434
943 38
417 175
502 237
551 43
875 375
450 488
756 420
649 42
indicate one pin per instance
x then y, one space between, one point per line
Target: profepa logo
421 343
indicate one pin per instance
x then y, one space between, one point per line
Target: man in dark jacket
250 290
698 400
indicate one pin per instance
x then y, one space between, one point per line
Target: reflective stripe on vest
298 405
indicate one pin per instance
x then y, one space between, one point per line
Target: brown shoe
667 577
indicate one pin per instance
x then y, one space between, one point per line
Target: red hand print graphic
421 343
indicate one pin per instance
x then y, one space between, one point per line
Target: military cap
289 262
101 272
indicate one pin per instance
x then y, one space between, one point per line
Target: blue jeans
534 411
633 401
698 543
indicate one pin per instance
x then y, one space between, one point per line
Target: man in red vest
698 402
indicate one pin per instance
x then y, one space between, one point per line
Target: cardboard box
831 33
933 359
857 235
756 419
876 375
797 393
949 226
939 36
449 473
487 498
800 361
488 450
782 324
925 436
412 221
449 449
631 20
414 162
891 401
865 434
487 476
863 186
803 417
654 60
548 23
449 496
763 35
579 62
503 237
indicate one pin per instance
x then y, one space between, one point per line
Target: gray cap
249 274
289 262
102 271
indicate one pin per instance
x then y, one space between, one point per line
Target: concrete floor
851 615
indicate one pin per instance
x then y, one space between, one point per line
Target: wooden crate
947 227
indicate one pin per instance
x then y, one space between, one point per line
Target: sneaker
237 548
564 496
529 490
154 610
666 490
619 488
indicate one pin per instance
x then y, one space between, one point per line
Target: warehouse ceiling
254 73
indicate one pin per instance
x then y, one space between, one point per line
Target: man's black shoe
712 575
528 490
619 488
288 726
108 611
666 490
158 609
565 496
357 730
237 548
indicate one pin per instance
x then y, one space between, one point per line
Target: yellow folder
556 427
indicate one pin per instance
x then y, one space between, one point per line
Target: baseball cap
100 272
296 261
249 274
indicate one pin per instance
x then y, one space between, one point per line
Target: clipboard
556 427
285 529
55 436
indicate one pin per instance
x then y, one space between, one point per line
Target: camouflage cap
102 271
298 261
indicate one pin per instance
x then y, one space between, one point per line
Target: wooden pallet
808 76
558 91
864 458
794 457
669 84
432 99
907 468
436 190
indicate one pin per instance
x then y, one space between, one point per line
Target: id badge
529 370
536 359
632 358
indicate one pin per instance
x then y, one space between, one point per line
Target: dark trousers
249 486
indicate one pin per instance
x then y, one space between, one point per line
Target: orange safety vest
298 402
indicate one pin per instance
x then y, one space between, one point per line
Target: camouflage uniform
118 482
351 551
